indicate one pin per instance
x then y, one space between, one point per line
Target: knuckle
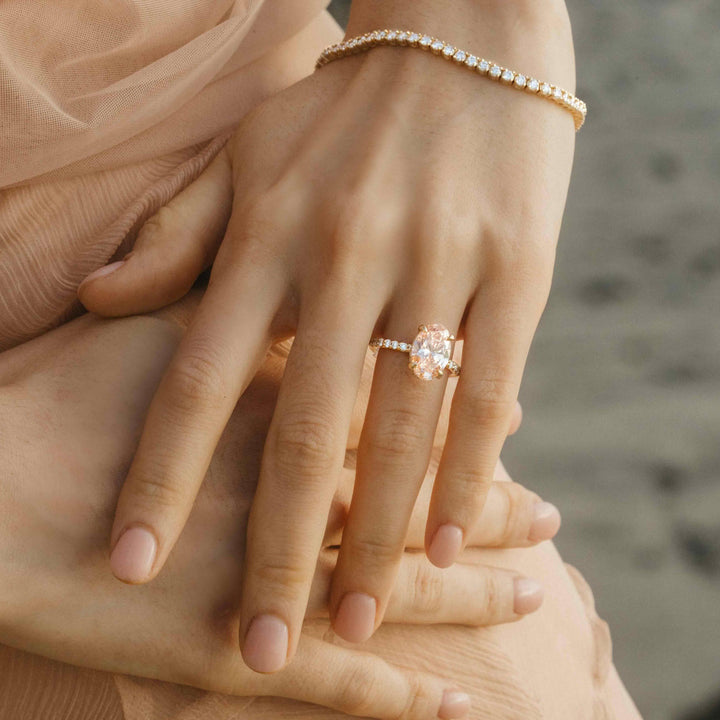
468 484
488 401
489 606
515 514
371 553
499 249
358 237
357 687
282 577
427 587
257 217
435 257
399 434
520 266
259 212
163 221
350 229
157 490
197 380
509 248
419 702
304 446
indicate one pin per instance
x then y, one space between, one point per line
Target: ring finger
393 456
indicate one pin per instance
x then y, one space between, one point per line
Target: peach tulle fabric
108 108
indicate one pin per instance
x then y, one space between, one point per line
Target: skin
68 437
346 209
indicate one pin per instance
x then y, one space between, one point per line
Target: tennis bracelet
488 68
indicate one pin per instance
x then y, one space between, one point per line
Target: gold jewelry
489 69
429 353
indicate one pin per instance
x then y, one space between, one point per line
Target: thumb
172 248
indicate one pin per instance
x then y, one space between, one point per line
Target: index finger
222 348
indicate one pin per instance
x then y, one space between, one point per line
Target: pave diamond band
488 68
430 351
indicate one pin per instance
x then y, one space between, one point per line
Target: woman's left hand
386 190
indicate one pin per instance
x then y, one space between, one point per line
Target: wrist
529 36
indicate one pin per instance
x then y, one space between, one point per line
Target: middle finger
302 460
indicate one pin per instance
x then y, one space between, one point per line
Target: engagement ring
430 352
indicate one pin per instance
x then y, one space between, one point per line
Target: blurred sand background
622 390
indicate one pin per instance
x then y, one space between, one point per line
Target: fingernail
101 272
528 595
355 618
455 704
133 556
546 522
266 644
445 546
517 415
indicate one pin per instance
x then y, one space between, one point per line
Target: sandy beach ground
622 390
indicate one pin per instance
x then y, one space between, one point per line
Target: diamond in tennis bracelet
430 352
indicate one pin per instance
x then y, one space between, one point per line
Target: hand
70 434
388 189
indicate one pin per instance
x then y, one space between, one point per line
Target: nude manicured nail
355 618
266 644
529 595
101 272
133 556
546 522
445 546
455 704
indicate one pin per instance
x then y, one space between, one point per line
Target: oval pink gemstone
430 352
